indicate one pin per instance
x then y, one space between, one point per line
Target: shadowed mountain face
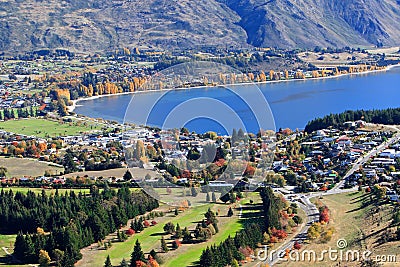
89 25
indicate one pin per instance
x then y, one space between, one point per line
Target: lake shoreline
74 105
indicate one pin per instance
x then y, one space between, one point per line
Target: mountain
104 25
98 25
308 23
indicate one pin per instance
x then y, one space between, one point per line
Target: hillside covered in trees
389 116
63 224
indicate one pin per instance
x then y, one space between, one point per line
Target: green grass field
6 241
186 255
45 128
119 172
18 167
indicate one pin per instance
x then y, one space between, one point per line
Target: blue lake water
292 103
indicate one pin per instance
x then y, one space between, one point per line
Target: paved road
312 216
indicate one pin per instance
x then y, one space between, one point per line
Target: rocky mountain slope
103 25
336 23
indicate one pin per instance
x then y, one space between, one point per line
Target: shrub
130 231
297 245
176 244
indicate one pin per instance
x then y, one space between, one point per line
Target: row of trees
14 113
62 245
29 148
96 161
272 205
385 116
90 85
73 221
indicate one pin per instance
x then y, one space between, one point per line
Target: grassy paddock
45 128
118 173
17 167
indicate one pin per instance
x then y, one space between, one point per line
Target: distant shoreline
75 102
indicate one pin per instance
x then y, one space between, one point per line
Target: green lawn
6 241
187 256
45 128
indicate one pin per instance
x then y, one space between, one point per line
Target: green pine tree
107 263
206 259
30 252
164 246
20 247
187 237
178 231
230 212
137 254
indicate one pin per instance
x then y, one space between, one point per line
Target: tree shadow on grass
158 234
8 259
5 259
359 198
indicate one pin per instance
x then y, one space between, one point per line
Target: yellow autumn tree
44 258
271 75
262 76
